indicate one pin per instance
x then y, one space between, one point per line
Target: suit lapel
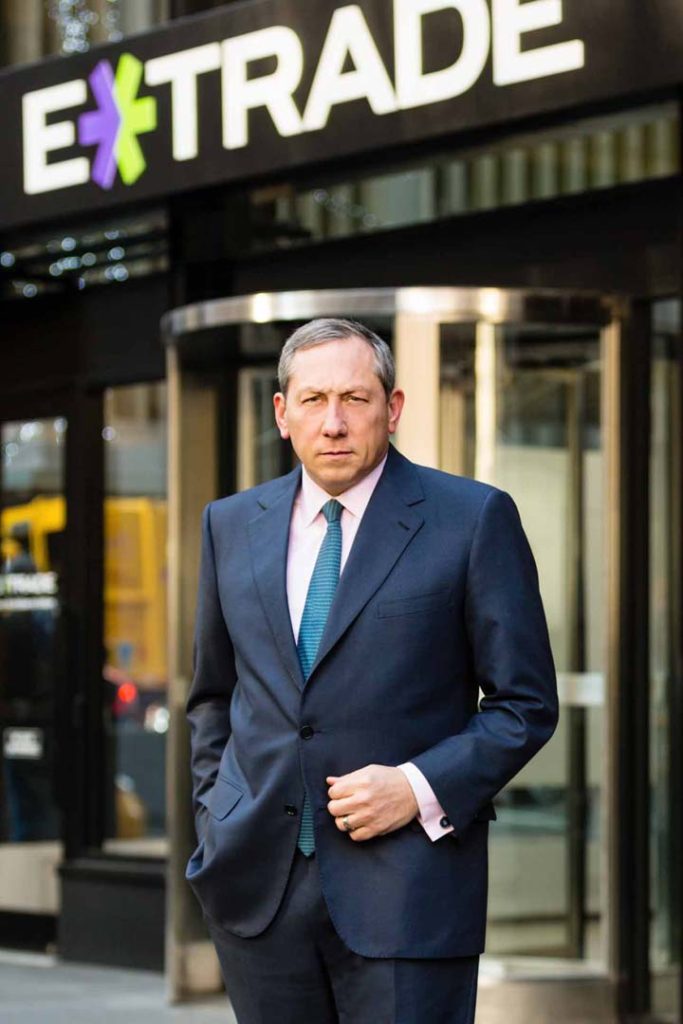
387 527
268 539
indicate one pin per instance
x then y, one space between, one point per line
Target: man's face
336 412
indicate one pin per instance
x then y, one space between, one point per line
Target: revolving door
520 390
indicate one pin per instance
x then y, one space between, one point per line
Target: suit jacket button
306 731
445 822
291 810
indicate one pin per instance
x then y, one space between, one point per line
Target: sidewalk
36 989
41 990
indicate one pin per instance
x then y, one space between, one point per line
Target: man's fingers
340 788
344 785
345 806
360 834
365 831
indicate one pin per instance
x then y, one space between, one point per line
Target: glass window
593 153
666 674
259 452
135 672
33 521
29 31
108 252
520 408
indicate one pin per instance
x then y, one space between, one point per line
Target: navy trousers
299 969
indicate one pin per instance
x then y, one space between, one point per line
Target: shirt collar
355 499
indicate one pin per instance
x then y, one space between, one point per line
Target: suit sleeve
512 664
213 680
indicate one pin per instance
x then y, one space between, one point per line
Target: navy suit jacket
439 596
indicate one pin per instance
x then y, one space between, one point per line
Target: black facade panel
120 332
39 341
35 932
102 337
623 240
130 899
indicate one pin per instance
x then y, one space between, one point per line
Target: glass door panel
135 669
521 408
259 446
32 525
666 675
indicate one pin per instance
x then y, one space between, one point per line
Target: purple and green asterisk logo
119 119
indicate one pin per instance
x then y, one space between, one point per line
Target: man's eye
356 398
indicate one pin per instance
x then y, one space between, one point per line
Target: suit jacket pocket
195 862
416 603
223 797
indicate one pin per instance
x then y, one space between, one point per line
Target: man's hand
377 799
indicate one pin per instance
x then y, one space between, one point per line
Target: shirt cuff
431 814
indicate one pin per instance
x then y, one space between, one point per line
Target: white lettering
512 64
273 91
348 35
414 88
40 138
28 583
22 742
181 70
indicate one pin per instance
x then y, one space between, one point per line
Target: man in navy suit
343 769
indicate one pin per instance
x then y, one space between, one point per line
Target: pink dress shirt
306 532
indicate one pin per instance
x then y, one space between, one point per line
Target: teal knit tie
318 602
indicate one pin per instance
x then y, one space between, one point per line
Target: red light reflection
127 693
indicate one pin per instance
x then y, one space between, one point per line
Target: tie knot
332 510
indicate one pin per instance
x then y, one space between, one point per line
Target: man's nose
334 422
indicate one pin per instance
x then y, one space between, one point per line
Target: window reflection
107 252
33 519
592 153
39 28
135 670
260 450
520 408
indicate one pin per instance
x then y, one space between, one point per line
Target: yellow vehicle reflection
135 588
134 574
135 661
26 529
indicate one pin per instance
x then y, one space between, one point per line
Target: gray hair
317 332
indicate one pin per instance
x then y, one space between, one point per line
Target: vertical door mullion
83 721
627 426
193 467
577 782
611 415
676 705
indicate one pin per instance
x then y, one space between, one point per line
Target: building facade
495 186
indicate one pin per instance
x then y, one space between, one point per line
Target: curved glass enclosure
511 387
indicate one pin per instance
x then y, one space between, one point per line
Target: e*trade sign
288 80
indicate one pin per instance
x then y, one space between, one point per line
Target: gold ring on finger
345 823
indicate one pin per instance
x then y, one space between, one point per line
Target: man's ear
396 402
280 406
